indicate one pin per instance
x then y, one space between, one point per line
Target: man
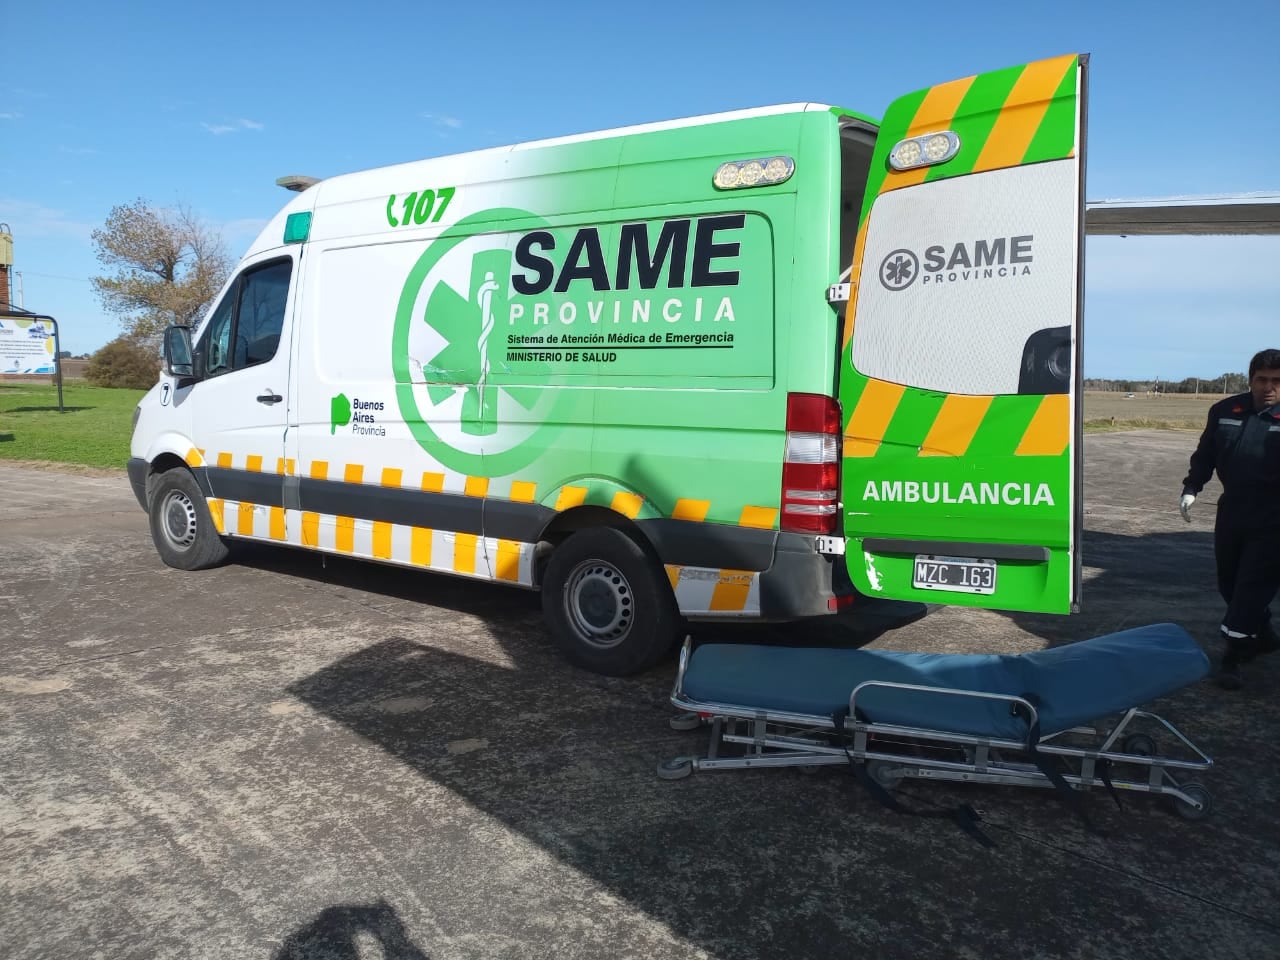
1242 442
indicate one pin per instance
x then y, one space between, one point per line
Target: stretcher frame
894 752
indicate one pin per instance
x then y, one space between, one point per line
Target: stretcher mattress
1069 685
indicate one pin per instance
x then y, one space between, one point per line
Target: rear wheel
609 607
181 526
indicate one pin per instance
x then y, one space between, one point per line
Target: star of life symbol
452 353
899 269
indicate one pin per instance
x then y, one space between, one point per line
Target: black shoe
1229 673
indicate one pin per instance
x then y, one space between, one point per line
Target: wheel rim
599 603
178 520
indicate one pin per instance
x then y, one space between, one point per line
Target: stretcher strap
963 815
1045 764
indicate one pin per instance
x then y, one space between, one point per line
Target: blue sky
206 104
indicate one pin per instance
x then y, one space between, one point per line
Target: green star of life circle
455 374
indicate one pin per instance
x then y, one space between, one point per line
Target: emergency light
924 151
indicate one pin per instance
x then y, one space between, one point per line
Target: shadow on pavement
351 932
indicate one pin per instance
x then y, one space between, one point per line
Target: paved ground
290 758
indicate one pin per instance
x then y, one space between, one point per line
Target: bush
123 363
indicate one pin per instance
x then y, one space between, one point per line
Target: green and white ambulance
750 365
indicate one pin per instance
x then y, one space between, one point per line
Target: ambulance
749 366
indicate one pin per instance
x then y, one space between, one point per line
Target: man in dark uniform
1242 442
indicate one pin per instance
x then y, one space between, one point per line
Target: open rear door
961 374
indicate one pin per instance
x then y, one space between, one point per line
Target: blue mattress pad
1069 685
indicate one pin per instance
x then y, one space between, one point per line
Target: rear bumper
801 581
138 470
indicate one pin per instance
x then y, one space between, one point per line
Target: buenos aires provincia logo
961 262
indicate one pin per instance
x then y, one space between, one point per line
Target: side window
245 327
260 317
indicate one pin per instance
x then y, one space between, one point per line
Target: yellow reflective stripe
627 504
244 519
955 426
522 491
392 477
433 482
382 540
215 511
354 473
476 486
1050 429
277 523
194 459
464 552
936 112
344 534
763 518
571 497
691 510
731 590
311 528
224 461
871 418
1023 111
673 574
253 463
507 564
420 547
284 466
319 470
855 278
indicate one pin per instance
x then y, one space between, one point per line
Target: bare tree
168 265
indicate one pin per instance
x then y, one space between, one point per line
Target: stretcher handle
1032 715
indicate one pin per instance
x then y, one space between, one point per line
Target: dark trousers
1248 556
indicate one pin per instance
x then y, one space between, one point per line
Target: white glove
1184 507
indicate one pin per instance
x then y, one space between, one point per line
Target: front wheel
181 526
609 607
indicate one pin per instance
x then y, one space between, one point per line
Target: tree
124 363
168 265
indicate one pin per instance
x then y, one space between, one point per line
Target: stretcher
1068 717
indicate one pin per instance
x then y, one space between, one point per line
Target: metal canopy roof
1234 215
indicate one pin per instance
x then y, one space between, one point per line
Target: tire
181 526
608 604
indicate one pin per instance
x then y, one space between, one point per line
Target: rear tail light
811 464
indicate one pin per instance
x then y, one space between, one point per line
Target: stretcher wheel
675 769
1200 795
884 773
1139 744
685 722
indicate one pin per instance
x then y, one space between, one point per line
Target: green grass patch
94 431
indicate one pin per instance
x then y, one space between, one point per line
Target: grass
1105 411
94 431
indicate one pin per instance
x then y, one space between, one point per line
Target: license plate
957 574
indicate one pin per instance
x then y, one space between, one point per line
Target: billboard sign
26 346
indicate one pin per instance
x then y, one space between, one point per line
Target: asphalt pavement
297 757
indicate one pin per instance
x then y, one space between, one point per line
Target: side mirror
178 360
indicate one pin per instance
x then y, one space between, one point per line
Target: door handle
269 397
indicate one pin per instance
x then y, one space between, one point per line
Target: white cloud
28 219
443 120
217 129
